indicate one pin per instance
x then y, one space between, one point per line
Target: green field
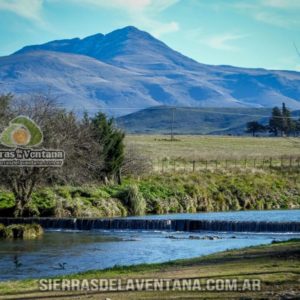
193 147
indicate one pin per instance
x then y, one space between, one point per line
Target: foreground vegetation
219 190
276 265
92 147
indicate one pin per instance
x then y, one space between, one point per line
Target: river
61 252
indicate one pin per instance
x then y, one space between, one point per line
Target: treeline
280 123
93 146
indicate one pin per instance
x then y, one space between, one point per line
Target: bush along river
75 245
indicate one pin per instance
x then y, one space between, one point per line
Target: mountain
128 70
78 82
189 120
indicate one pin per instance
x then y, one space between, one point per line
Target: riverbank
219 190
20 231
276 265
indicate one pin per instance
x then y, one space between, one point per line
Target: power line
297 50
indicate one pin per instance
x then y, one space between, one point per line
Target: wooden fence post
194 166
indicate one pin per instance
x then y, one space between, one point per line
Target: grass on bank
219 190
276 265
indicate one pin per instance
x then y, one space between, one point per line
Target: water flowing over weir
156 224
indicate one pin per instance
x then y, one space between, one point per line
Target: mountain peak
130 28
130 68
130 32
120 47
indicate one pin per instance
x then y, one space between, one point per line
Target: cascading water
157 224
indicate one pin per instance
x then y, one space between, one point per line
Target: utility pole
172 124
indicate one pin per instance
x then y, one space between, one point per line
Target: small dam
156 224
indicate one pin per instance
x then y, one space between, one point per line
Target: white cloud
165 28
29 9
142 13
282 4
155 27
129 5
272 19
279 13
223 42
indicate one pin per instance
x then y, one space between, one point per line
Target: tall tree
275 122
112 141
297 127
287 122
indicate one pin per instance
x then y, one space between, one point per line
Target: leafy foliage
93 149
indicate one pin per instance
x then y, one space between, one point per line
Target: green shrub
7 200
44 201
21 231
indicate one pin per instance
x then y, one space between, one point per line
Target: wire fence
182 165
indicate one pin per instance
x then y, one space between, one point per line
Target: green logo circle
22 132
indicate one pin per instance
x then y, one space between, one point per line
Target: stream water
64 252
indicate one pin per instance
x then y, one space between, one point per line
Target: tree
112 141
254 127
287 122
297 127
5 101
275 122
61 131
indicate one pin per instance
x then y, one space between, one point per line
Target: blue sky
247 33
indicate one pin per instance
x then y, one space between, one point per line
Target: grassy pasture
191 147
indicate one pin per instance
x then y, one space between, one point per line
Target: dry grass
188 147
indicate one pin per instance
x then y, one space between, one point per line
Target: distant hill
192 120
128 70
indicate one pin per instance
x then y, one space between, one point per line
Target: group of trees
94 148
280 123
